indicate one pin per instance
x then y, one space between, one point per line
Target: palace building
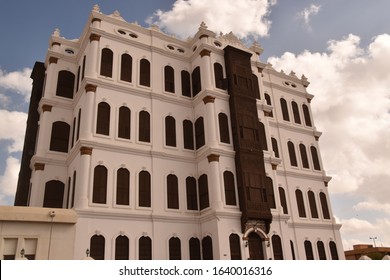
146 146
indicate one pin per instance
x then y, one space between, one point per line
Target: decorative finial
96 8
292 74
203 25
117 13
56 32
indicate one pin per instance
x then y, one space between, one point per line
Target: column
44 134
87 112
37 187
93 56
215 187
210 121
51 77
82 180
206 73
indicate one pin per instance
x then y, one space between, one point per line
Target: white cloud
8 181
307 13
245 18
17 81
13 126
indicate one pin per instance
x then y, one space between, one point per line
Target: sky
342 46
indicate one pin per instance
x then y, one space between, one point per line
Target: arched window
275 147
324 206
306 114
203 192
78 125
292 250
144 127
174 248
68 194
122 248
170 131
172 191
305 161
297 117
73 132
314 155
283 200
194 245
144 75
199 133
207 248
230 189
300 204
218 75
169 79
123 186
196 82
192 196
283 105
277 247
106 62
235 247
321 250
54 194
255 85
103 119
223 128
291 152
145 248
263 137
185 83
268 101
126 67
124 122
65 84
188 134
309 250
83 68
313 205
99 185
73 189
97 246
59 139
333 250
78 79
144 189
270 196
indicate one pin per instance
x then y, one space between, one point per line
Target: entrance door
255 244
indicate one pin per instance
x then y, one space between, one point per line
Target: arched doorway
255 243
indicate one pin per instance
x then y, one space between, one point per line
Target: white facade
160 222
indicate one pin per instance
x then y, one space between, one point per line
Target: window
300 204
124 122
103 119
83 68
207 248
313 205
194 245
59 140
192 196
199 133
268 101
230 190
68 193
78 79
73 132
333 250
9 251
78 125
126 67
309 250
144 189
203 192
122 248
283 200
65 84
174 248
314 155
144 127
97 246
321 250
73 189
196 82
169 78
235 250
291 152
283 105
292 250
218 75
223 128
269 192
170 131
185 83
54 194
145 248
144 75
324 206
123 186
99 185
172 192
106 62
275 147
306 115
277 247
263 138
297 117
305 161
188 134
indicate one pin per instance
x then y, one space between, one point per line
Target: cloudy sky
342 46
